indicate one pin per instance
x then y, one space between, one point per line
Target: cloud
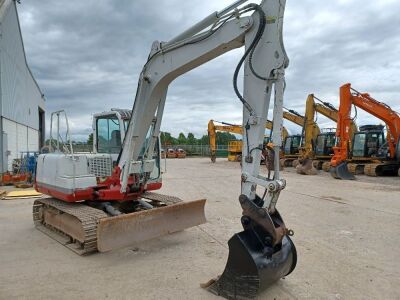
87 55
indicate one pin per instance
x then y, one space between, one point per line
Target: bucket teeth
252 266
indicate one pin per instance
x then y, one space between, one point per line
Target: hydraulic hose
249 51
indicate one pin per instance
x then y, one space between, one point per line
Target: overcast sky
87 55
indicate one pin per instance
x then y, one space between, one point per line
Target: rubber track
168 200
370 169
88 216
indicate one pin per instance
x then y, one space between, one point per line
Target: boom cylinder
203 24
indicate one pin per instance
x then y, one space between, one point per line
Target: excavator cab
369 142
109 130
325 143
292 144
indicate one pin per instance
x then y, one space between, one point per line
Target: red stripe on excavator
111 194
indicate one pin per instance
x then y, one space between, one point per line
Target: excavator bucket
124 230
306 167
341 172
252 266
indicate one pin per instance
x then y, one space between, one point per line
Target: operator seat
115 142
372 146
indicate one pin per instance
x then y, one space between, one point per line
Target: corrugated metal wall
19 94
20 138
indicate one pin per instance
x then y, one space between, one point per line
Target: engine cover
63 176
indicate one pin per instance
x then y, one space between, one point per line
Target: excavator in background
99 205
293 143
319 150
235 147
368 141
370 150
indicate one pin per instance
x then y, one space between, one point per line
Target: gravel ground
346 234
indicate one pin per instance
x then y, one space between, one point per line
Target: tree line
222 139
167 139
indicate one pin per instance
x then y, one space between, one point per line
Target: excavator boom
309 130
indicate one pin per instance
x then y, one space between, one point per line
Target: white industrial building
21 101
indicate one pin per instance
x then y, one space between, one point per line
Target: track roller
356 169
326 166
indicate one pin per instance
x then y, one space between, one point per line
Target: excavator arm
349 97
264 61
311 130
294 117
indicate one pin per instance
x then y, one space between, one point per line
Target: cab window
108 135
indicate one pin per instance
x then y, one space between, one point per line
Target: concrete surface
346 233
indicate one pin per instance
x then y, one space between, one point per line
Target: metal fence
82 148
203 150
191 150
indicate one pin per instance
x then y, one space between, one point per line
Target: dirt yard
346 233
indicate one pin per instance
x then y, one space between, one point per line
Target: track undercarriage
86 227
374 168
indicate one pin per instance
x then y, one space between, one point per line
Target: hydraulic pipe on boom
388 158
263 252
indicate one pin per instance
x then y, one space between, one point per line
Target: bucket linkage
258 256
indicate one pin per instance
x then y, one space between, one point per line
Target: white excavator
100 206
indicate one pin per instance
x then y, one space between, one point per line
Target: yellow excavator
234 146
293 143
317 151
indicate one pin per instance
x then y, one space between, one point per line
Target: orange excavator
379 158
233 128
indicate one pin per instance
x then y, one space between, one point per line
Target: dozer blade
341 172
251 267
124 230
